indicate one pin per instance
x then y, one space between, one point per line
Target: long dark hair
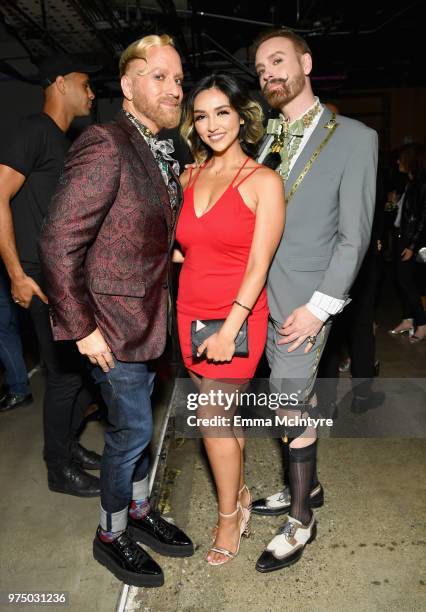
251 131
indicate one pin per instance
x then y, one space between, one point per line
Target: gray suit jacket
329 218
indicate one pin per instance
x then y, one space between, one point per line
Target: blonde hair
138 49
251 131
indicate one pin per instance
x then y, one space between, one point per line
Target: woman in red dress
229 227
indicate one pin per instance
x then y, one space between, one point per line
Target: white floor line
121 605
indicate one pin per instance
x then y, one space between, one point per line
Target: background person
16 390
410 230
31 159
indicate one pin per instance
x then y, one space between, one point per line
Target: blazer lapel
180 190
150 164
178 207
264 147
316 138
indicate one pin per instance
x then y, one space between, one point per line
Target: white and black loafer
287 546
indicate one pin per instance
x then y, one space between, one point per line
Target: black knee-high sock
314 471
286 461
302 462
285 449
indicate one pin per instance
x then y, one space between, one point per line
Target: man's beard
163 117
288 90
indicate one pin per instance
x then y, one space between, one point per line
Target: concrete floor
369 554
46 538
370 549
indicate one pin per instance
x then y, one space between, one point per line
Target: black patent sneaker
279 503
127 561
87 459
160 535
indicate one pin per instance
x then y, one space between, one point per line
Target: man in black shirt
31 159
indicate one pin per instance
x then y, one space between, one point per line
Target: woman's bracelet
242 306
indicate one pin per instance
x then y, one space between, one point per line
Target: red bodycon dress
216 247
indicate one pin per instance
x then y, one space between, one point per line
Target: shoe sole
293 558
75 493
131 578
162 549
315 503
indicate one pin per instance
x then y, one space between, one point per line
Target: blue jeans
126 390
11 356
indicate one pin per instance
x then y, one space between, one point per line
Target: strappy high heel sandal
248 507
244 531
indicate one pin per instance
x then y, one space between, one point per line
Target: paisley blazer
105 243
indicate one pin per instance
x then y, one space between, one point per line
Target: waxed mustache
273 81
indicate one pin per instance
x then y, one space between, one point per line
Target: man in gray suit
328 164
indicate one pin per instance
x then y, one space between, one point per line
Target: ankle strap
232 513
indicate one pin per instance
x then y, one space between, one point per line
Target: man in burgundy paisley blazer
105 243
105 249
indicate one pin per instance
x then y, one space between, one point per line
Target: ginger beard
165 113
287 91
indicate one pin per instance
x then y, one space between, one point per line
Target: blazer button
165 285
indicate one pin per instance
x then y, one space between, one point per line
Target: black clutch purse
200 330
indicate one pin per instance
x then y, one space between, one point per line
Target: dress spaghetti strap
189 186
247 176
231 184
239 171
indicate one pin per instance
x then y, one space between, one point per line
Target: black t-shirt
35 147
